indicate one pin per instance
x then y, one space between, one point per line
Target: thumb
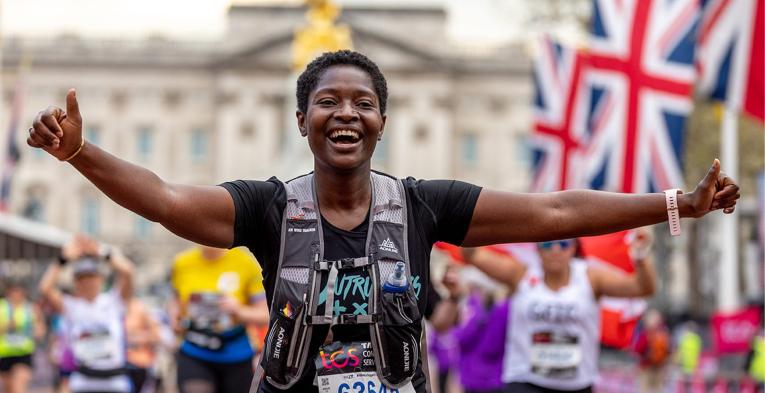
714 171
72 107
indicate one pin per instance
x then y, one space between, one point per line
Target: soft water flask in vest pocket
402 327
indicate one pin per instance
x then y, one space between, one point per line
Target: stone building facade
207 112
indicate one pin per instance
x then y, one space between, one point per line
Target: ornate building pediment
274 53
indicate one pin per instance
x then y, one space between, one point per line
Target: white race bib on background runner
350 368
16 340
93 347
204 312
555 355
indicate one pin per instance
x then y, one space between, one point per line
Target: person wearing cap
20 326
95 328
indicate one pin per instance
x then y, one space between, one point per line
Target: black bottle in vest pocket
400 336
278 343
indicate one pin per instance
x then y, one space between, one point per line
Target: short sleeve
451 204
255 289
251 199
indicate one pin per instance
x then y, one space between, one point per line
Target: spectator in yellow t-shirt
218 293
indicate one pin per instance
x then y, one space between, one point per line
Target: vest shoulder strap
300 202
390 199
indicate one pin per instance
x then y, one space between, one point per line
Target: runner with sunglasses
555 316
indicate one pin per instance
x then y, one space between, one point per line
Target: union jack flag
637 94
731 54
555 142
613 118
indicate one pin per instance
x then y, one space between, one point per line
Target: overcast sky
205 19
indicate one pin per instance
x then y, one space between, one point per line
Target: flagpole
2 91
728 293
728 297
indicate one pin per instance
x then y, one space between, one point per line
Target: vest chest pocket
278 344
400 336
287 331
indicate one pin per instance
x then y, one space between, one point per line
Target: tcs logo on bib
339 359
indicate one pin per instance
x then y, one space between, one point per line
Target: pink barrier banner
733 332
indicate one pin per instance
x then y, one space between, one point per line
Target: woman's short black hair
315 69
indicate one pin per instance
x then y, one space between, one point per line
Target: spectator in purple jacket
480 335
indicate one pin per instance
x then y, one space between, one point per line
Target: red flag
455 252
618 316
612 249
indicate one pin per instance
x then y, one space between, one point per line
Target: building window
34 209
93 135
523 149
381 152
142 228
469 150
145 143
199 145
90 216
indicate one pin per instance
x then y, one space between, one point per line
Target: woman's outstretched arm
202 214
505 217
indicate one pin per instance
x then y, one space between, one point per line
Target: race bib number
92 347
555 355
350 368
366 382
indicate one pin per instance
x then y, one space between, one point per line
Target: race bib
350 368
93 346
16 340
204 312
555 355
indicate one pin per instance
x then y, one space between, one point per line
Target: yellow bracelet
76 152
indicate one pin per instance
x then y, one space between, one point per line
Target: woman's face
88 286
556 255
343 121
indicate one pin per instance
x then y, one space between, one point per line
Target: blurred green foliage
702 145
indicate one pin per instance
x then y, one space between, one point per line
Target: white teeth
339 133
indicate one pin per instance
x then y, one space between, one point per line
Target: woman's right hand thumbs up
56 131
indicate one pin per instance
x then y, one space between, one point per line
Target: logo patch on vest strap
407 363
279 342
389 246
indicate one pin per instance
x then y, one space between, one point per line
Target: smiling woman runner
328 240
553 340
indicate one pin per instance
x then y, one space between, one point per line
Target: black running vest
394 320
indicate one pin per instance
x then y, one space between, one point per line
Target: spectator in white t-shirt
94 318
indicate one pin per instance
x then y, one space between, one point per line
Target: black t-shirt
438 210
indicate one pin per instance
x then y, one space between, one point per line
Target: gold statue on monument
321 34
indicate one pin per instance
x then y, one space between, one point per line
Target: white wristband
673 211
